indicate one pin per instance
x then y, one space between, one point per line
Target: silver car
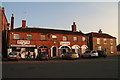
70 55
90 54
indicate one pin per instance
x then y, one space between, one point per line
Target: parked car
43 56
13 55
70 55
102 53
90 54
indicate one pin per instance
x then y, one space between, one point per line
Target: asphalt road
81 68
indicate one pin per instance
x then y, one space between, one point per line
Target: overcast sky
89 16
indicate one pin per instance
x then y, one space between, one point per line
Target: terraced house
53 41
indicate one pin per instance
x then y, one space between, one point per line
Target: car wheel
89 56
82 56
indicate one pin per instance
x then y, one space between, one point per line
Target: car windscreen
93 51
87 52
73 53
13 53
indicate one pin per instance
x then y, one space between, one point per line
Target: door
54 51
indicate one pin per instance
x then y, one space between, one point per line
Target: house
102 41
53 41
4 26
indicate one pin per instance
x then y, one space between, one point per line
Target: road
81 68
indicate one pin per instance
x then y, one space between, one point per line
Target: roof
44 30
103 35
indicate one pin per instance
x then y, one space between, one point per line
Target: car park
13 55
70 55
43 56
90 54
102 53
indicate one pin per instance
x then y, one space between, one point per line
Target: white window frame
111 41
105 41
42 37
111 48
29 35
16 36
75 38
98 40
64 38
83 39
54 38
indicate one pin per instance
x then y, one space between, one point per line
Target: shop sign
23 42
64 43
23 45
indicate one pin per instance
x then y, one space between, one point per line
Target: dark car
43 56
102 53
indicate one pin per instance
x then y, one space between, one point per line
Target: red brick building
102 41
53 41
4 26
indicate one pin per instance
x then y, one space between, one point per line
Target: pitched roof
44 30
103 35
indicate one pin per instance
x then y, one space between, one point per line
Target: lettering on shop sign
23 42
64 43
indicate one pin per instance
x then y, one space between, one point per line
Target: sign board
23 42
64 43
23 45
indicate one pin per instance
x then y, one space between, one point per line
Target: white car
90 54
13 55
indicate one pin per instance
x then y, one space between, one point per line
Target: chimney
100 31
23 23
12 21
74 27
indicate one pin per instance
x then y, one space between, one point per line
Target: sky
89 16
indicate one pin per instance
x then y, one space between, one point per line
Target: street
81 68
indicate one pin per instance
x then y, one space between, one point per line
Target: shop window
105 41
98 40
16 36
29 36
83 39
75 39
43 37
54 38
64 38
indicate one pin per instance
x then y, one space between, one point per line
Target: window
83 39
111 49
75 38
98 40
54 37
105 41
99 48
16 36
64 38
111 41
29 36
43 37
